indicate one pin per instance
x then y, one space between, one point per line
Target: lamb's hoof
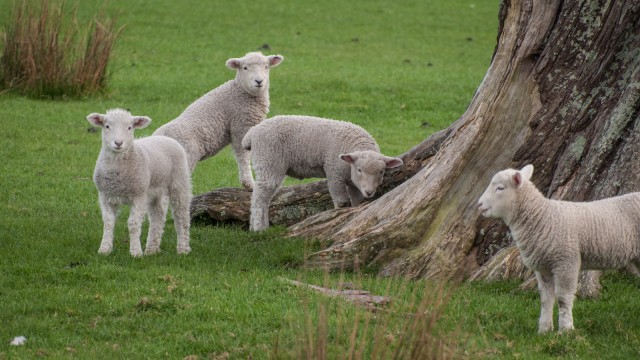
566 330
545 329
136 253
105 250
152 251
184 250
258 228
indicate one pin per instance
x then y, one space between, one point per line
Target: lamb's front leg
109 214
136 217
355 195
338 191
566 282
547 301
243 158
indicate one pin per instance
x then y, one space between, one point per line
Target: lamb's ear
348 158
96 119
233 63
275 60
517 179
527 172
392 162
140 122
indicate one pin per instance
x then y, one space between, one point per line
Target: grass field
402 70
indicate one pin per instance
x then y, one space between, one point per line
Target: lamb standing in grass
557 239
304 147
223 115
142 173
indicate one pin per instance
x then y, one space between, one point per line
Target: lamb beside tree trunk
304 147
557 239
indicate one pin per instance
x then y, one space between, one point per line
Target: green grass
401 69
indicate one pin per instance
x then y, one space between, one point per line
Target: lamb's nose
259 82
118 143
369 193
479 203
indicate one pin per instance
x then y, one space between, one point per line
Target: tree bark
562 93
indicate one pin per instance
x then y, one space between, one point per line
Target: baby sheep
141 173
223 115
304 147
557 239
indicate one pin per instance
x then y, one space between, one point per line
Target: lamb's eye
246 68
499 188
359 171
129 127
106 126
266 67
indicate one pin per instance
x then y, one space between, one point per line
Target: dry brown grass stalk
45 53
404 331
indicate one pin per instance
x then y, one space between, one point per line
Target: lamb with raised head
557 239
223 115
304 147
141 173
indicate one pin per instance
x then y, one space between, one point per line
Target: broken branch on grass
358 297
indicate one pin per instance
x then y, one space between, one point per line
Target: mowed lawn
402 70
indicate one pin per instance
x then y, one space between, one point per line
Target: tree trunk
562 93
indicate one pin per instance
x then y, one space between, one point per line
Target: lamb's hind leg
158 207
547 301
180 206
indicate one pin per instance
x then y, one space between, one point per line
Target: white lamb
142 173
557 239
223 115
304 147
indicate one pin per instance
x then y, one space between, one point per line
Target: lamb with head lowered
305 146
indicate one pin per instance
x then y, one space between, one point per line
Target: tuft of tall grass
47 54
407 329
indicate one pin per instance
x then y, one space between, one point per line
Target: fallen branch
358 297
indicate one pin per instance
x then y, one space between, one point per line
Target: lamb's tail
246 141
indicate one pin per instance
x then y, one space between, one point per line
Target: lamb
141 173
557 239
223 115
304 147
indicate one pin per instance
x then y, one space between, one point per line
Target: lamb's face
499 199
117 128
253 71
367 169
